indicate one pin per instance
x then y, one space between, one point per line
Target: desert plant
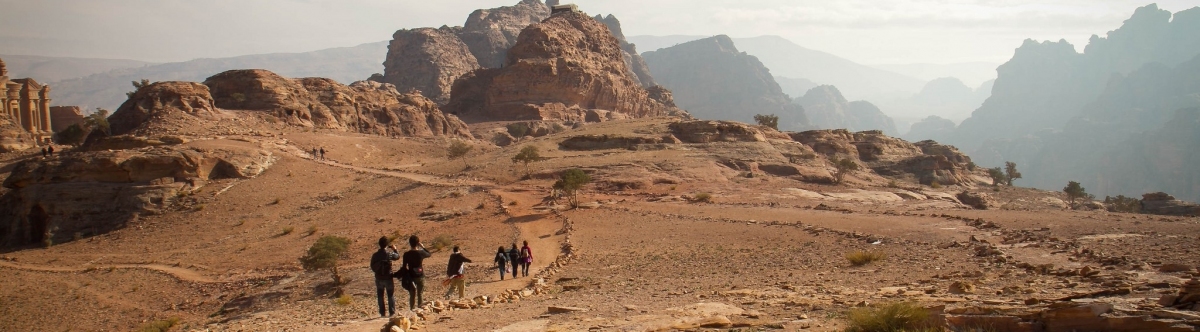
1010 172
861 257
527 155
843 167
311 230
557 128
458 149
137 85
517 130
159 325
1123 204
324 254
935 185
893 184
286 230
971 166
571 182
892 317
1074 191
997 175
702 198
441 242
767 120
343 300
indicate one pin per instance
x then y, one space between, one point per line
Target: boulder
1164 204
604 142
13 137
715 131
557 70
976 200
428 60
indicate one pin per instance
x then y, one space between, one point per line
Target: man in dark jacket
454 270
514 257
381 265
413 261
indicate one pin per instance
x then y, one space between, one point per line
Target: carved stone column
45 109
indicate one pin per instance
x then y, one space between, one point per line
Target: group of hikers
318 153
48 151
412 272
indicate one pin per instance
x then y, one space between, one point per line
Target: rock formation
927 161
932 127
489 33
827 109
635 62
160 106
428 60
367 107
13 137
713 80
1162 203
557 70
93 192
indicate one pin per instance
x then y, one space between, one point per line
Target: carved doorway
38 224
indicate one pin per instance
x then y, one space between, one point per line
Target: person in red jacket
526 258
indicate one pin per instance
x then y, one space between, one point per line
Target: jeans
501 268
414 295
515 264
383 286
459 284
525 268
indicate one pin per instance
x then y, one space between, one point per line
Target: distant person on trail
501 261
44 153
315 155
526 258
322 153
454 272
514 257
381 264
413 261
51 150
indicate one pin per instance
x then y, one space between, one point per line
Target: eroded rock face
160 105
13 137
828 109
633 60
1162 203
557 70
928 161
428 60
94 192
979 201
489 33
716 131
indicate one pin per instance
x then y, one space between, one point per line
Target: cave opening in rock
38 224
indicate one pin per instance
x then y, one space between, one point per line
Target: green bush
1123 204
702 198
518 130
860 258
324 254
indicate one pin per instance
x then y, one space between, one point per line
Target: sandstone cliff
712 80
827 109
13 137
428 60
161 107
558 70
489 33
637 65
90 193
932 127
927 161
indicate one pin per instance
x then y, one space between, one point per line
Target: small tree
997 175
767 120
137 85
324 254
1074 191
527 155
843 167
1010 172
98 120
458 149
572 180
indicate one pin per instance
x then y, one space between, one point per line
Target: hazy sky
867 31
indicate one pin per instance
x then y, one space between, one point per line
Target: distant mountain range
103 83
51 69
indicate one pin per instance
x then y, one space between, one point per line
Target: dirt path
180 273
418 177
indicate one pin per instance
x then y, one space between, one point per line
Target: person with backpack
526 258
413 261
501 261
514 257
454 270
381 265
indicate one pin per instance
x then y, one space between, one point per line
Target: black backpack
381 265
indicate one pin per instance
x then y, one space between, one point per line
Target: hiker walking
501 261
381 264
315 155
514 257
44 153
454 270
50 149
526 258
413 261
322 153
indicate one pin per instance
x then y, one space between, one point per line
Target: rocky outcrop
714 81
92 192
428 60
163 106
1162 203
637 65
927 161
979 201
605 142
715 131
490 33
366 107
827 109
13 137
558 69
930 128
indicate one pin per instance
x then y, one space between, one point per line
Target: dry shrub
160 325
861 257
893 317
702 198
344 300
441 242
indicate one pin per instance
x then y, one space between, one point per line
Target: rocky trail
183 274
